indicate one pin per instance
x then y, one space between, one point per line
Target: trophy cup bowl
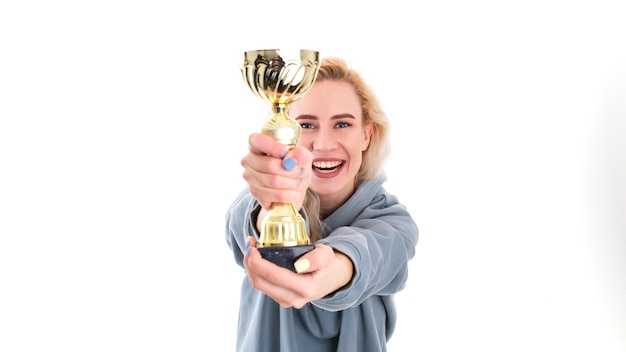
280 79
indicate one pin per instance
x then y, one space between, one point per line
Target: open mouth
327 167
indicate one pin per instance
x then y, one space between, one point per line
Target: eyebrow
334 117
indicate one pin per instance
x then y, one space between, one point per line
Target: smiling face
332 129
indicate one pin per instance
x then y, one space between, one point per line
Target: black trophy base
285 256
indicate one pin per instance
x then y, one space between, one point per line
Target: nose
324 141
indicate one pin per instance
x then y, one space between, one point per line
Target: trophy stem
282 127
280 109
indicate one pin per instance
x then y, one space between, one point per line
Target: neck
331 202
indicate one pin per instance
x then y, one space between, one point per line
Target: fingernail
282 155
247 248
301 265
289 164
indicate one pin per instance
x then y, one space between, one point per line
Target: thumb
319 257
302 265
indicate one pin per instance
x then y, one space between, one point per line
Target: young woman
342 296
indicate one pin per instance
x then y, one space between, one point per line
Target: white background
123 123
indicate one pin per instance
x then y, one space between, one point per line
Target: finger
303 155
268 172
272 280
262 144
250 243
269 166
297 159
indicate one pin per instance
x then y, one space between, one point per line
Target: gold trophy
281 79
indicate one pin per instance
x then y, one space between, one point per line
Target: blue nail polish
282 155
247 248
289 164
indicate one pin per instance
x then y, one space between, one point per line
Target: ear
367 135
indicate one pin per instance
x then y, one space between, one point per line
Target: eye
306 125
343 124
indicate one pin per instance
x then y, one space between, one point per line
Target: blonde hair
375 155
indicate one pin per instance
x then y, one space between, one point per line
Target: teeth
327 166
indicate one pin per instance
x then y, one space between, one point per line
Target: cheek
306 141
356 149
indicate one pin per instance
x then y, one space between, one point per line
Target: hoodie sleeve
240 223
380 242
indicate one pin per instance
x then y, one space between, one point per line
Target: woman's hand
276 174
320 272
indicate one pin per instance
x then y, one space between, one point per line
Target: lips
327 167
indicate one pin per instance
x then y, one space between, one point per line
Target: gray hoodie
378 234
